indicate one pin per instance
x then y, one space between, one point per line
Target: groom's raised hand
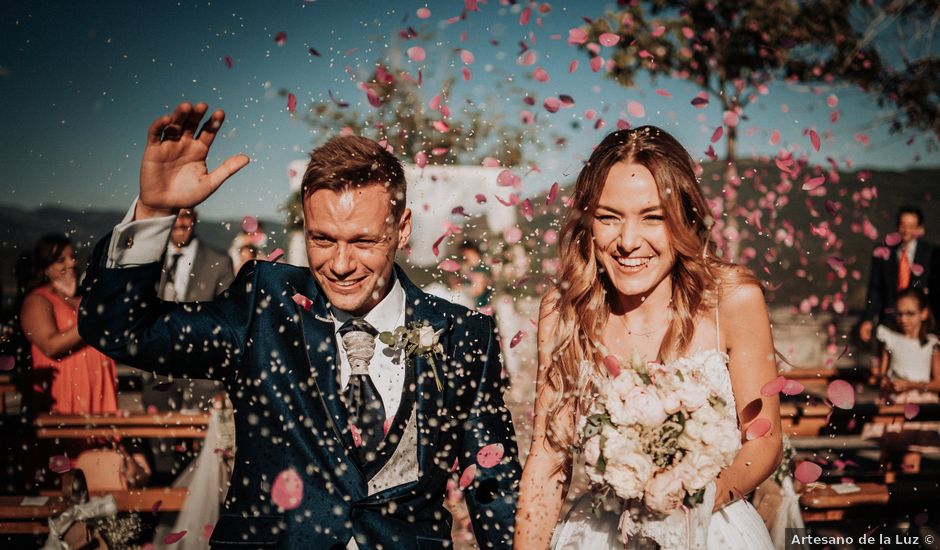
173 173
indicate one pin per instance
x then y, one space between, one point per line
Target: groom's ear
404 228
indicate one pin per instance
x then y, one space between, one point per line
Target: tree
733 50
422 129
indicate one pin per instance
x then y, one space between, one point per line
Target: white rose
693 395
592 450
427 337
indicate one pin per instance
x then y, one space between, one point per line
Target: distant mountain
20 229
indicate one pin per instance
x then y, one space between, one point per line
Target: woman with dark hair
640 278
77 378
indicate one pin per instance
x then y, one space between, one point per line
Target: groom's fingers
211 128
191 124
225 170
174 129
155 132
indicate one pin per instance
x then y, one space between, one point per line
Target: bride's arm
543 478
746 328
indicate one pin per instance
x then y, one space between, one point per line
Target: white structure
433 193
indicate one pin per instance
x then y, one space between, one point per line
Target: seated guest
910 359
70 376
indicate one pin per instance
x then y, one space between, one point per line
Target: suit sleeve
491 498
122 317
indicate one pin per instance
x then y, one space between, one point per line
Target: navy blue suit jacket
279 363
883 281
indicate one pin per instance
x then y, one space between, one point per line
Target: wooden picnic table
168 425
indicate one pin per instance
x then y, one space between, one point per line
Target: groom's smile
351 238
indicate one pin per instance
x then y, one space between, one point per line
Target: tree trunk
732 247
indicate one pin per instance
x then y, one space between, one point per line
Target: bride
639 274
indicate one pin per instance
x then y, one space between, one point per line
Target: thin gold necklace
623 321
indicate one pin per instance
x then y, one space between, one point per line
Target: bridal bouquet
656 436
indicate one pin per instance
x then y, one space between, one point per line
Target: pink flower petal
663 93
813 183
814 139
249 224
730 118
173 538
577 36
757 429
636 110
773 387
291 102
516 339
7 362
513 234
302 301
480 198
356 435
807 472
658 31
440 126
491 455
540 74
155 509
552 104
421 159
609 39
424 13
387 425
207 531
911 410
416 53
60 464
573 66
228 61
466 478
527 211
596 63
552 193
280 38
466 56
792 387
275 254
841 394
288 489
612 364
832 101
525 16
893 239
775 137
466 74
716 135
449 265
917 270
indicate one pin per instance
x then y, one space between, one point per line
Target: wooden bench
811 377
162 425
822 503
19 519
800 420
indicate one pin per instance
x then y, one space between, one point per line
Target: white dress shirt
185 266
386 370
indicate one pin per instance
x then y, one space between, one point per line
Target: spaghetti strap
717 329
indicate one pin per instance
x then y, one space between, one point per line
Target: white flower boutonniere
417 340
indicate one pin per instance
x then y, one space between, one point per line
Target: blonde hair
582 305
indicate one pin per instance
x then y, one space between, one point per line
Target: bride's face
630 237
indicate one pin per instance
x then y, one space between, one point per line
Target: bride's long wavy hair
583 305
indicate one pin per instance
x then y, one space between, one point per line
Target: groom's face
352 238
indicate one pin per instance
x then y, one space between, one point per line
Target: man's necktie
170 291
904 269
366 411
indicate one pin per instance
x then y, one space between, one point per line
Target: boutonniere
414 341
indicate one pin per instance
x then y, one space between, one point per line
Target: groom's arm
491 498
122 317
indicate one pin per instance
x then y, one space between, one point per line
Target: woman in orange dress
80 379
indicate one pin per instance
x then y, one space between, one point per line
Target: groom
343 441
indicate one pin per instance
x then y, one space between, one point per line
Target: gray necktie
363 401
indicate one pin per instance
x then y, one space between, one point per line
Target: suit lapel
430 400
323 355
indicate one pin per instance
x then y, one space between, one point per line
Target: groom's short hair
353 161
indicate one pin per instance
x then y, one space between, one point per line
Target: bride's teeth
632 262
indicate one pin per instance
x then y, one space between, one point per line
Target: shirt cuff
139 242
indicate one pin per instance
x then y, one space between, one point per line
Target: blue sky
80 83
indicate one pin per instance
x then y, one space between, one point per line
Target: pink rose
664 493
645 407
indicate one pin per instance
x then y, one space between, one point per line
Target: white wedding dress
736 526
